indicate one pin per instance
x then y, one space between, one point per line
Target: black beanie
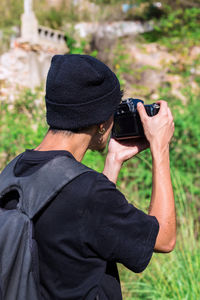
80 91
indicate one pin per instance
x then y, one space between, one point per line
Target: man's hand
158 129
119 152
126 149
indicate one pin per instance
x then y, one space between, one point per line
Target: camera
127 123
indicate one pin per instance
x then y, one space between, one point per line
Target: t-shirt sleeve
117 230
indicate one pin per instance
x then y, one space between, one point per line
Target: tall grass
169 276
175 275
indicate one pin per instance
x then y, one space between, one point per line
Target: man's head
81 91
82 94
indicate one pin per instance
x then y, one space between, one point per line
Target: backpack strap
39 188
6 183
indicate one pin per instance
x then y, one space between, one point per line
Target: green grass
22 125
168 276
176 28
171 276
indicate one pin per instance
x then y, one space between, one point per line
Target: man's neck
77 144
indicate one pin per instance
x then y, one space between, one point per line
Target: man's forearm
112 168
162 204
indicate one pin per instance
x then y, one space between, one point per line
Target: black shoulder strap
42 186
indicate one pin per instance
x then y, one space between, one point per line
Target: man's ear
102 128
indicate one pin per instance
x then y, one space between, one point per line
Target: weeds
177 275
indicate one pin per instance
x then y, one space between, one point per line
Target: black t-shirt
84 231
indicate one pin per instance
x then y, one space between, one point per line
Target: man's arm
162 204
119 152
158 131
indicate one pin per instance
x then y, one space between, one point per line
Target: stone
195 52
151 55
111 30
24 66
152 79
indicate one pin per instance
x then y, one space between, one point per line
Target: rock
195 52
151 55
110 30
179 95
105 48
152 79
24 67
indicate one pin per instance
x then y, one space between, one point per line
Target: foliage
7 33
176 276
80 47
22 124
186 143
72 45
10 12
56 18
47 15
121 63
52 18
175 26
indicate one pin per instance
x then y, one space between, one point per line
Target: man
89 225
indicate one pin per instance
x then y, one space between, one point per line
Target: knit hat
80 91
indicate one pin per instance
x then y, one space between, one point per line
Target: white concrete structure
33 33
28 60
28 7
52 38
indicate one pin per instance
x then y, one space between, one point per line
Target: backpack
21 199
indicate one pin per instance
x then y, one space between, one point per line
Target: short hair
67 132
60 131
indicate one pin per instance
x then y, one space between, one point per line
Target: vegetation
181 25
175 276
10 12
171 276
22 124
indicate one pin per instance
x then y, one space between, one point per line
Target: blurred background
154 48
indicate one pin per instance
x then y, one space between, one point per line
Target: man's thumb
141 110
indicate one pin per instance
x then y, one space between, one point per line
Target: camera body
127 123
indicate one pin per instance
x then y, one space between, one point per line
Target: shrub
22 124
176 276
175 26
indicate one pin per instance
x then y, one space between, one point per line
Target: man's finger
163 106
170 114
142 112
